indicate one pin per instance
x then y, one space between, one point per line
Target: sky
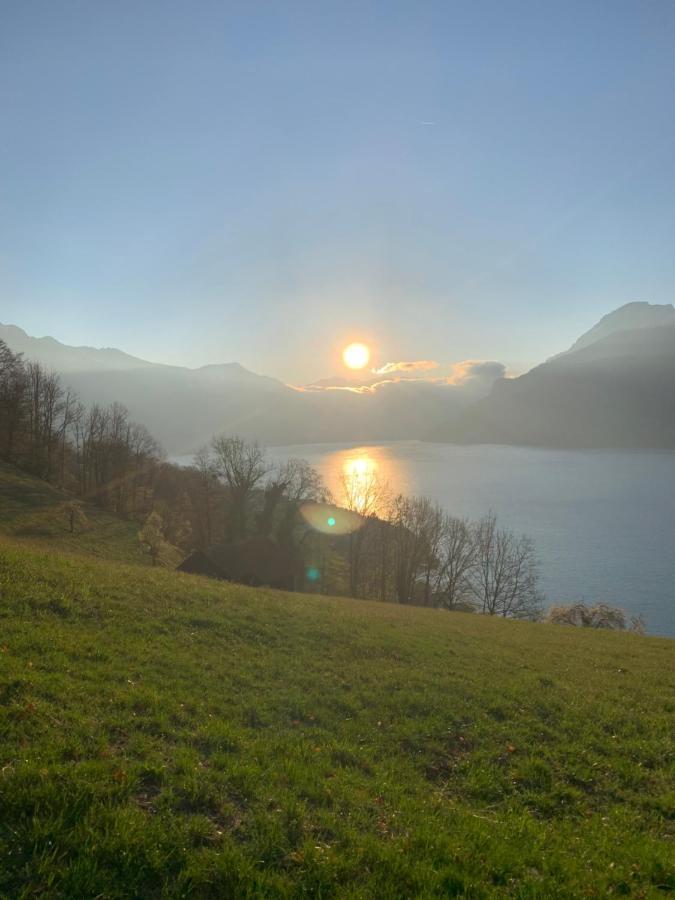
202 182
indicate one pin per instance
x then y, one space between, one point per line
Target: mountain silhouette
184 408
613 388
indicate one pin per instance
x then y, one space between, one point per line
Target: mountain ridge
184 408
612 388
70 358
638 314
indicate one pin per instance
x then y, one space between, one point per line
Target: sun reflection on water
361 477
360 485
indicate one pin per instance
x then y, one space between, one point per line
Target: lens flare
355 474
356 356
329 519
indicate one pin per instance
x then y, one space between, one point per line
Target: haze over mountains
615 387
184 407
612 388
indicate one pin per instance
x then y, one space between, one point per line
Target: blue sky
203 182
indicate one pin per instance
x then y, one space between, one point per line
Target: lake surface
603 521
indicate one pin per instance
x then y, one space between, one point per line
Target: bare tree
504 579
365 493
242 466
457 560
71 410
13 386
434 525
416 532
204 464
273 492
143 454
44 395
289 486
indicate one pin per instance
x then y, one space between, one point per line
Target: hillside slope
162 735
32 510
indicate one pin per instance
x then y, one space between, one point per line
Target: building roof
255 559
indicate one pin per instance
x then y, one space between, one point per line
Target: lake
603 522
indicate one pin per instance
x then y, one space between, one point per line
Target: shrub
599 616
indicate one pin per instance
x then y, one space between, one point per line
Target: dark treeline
404 550
99 455
401 549
96 453
410 550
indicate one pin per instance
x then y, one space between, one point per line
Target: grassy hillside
163 735
32 510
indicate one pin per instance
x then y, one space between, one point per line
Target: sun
356 356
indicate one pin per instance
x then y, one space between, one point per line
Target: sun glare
356 356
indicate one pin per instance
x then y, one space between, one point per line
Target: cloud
476 368
418 365
472 376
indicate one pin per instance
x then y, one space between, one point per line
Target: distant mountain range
615 387
185 407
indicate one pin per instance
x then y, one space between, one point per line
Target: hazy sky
208 181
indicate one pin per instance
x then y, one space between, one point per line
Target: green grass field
166 736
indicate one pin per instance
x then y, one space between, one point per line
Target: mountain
87 360
64 359
627 318
615 387
184 407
